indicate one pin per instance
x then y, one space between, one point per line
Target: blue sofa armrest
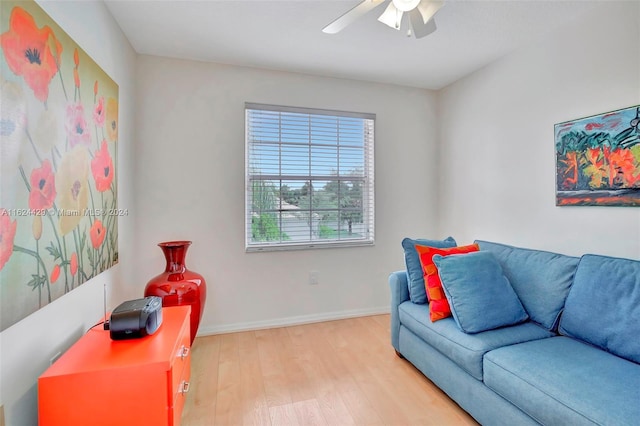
399 293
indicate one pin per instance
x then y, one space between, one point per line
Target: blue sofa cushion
540 279
466 350
479 294
561 381
603 306
417 292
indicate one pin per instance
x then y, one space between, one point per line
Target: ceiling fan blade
391 16
429 8
421 29
346 19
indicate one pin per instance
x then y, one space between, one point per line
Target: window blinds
309 178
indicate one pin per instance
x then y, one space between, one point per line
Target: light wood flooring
332 373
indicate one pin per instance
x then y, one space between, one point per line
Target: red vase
179 286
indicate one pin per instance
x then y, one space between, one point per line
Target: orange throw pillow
438 306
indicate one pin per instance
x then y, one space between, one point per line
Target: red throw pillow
438 306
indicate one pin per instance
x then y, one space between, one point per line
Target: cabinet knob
184 387
183 352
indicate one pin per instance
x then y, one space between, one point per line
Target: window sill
308 246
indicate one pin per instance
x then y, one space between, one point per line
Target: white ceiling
286 35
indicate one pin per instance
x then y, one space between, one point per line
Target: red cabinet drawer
99 381
181 392
180 373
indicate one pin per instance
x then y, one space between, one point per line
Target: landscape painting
58 153
598 160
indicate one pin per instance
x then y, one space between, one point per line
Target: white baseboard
283 322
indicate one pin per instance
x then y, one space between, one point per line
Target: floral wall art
58 176
598 160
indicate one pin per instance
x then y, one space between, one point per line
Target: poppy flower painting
31 52
102 168
598 160
58 137
42 187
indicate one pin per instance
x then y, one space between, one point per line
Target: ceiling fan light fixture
391 17
405 5
421 13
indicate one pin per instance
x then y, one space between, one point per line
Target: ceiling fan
421 12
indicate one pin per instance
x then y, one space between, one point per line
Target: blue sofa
575 361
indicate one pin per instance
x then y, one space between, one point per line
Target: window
309 178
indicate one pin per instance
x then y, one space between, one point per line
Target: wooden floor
332 373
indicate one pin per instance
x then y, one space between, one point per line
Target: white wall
497 137
190 185
27 346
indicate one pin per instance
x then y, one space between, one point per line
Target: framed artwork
58 172
598 160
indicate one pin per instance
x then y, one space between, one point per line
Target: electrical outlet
313 278
55 358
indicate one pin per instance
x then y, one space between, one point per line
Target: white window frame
367 181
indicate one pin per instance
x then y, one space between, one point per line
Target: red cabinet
99 381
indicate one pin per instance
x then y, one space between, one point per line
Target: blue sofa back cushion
541 279
417 292
479 294
603 306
